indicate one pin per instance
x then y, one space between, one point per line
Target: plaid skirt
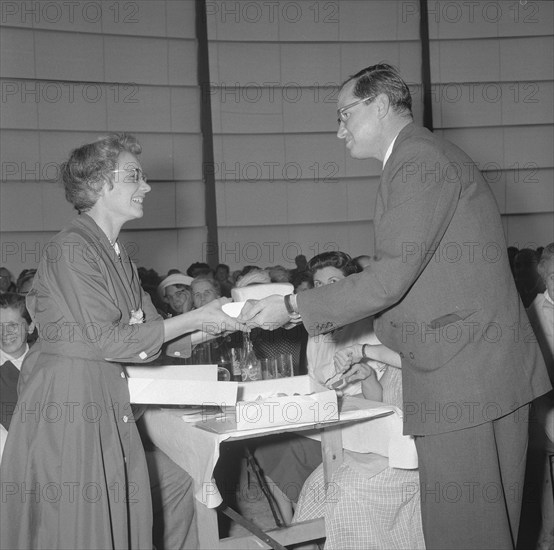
365 512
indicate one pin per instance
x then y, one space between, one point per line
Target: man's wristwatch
290 304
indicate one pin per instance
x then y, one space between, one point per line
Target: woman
74 442
288 460
204 289
326 269
368 503
175 292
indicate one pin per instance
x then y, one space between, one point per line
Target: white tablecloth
197 450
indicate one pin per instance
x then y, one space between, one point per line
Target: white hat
173 279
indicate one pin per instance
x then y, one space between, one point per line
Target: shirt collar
389 150
16 362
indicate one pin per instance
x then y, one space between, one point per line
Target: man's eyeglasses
136 174
342 112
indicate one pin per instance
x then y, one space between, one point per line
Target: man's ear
382 103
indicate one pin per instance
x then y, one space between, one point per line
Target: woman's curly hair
90 167
337 259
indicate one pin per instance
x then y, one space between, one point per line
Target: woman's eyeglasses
136 174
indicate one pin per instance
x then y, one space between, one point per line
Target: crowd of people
373 327
293 463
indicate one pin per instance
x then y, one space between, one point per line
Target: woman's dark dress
73 469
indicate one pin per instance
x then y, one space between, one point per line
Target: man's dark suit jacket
442 289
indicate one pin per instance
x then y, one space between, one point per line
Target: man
222 274
445 300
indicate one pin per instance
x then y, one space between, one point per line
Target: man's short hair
383 79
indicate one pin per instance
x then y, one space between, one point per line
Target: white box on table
253 404
179 385
259 404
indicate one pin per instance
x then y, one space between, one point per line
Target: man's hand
269 313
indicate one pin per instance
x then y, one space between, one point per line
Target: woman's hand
346 357
215 321
359 371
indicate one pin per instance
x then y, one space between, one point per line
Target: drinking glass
285 365
269 367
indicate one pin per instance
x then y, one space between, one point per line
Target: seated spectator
541 311
370 504
301 265
327 268
6 283
174 517
528 281
235 275
222 275
25 281
512 253
172 490
176 293
279 274
272 343
15 327
538 511
149 280
288 460
362 261
302 281
205 289
246 269
253 276
199 268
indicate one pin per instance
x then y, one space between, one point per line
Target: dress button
412 356
125 418
122 375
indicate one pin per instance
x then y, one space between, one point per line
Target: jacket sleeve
416 202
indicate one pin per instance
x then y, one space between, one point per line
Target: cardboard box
179 385
247 405
261 404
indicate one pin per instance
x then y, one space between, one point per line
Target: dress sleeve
94 304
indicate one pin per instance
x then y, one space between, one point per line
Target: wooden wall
72 74
285 183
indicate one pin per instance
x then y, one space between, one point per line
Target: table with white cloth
193 442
